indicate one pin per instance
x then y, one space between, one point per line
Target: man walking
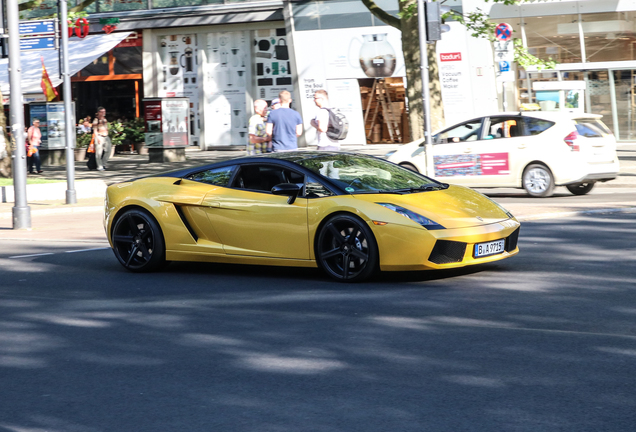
102 141
284 125
258 138
321 122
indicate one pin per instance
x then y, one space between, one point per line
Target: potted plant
81 144
117 135
135 133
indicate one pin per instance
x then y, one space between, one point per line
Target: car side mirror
288 189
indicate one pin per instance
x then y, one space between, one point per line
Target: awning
82 52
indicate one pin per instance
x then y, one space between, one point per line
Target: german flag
47 86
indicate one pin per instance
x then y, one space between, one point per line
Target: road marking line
29 256
86 250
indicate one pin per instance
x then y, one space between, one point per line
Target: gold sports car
349 214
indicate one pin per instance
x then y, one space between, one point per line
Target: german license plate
489 248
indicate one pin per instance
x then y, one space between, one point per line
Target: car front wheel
346 249
138 241
538 181
580 188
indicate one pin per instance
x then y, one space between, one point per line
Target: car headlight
417 218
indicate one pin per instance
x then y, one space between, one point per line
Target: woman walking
34 138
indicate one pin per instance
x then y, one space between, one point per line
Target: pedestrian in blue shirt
284 125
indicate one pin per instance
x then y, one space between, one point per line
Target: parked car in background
535 151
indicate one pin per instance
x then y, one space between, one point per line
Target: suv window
504 127
591 128
218 176
535 126
469 131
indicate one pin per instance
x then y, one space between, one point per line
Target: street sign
504 51
33 28
503 32
42 43
504 66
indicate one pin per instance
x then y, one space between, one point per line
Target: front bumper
409 249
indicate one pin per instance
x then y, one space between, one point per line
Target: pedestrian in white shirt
321 122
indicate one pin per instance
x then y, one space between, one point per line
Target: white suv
532 150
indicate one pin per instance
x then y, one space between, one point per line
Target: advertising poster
466 165
174 120
273 69
335 59
179 72
226 73
455 84
152 118
38 111
55 126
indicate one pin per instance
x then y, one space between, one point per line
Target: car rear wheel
580 188
346 249
138 241
409 167
538 181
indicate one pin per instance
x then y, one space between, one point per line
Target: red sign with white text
457 56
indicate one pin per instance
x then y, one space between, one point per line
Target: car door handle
521 146
468 150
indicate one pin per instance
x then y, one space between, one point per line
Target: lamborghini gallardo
351 215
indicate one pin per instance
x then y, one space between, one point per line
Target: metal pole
21 211
71 196
428 144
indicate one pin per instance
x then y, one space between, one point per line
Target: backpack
338 127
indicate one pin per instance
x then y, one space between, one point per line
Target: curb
57 211
555 215
56 191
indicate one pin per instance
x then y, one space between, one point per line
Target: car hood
455 207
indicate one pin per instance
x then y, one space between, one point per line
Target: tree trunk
5 148
411 50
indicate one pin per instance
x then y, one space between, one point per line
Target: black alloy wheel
346 249
581 188
138 241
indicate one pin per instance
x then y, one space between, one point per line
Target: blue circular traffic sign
503 32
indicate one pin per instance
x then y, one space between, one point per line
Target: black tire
409 166
138 241
538 181
581 188
346 249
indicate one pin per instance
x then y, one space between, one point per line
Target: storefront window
554 38
609 36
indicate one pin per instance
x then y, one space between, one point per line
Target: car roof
291 157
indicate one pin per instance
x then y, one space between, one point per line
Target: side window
217 176
504 127
535 126
469 131
264 177
590 128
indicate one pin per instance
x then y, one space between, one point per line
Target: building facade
224 54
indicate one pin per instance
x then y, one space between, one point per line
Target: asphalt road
544 341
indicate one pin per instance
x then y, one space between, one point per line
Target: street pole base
71 196
22 217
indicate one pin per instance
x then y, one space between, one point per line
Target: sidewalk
53 219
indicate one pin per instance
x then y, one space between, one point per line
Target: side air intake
511 241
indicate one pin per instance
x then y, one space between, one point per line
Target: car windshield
362 174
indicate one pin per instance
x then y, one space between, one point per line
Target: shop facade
593 42
222 55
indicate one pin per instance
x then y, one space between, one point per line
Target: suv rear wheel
538 181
